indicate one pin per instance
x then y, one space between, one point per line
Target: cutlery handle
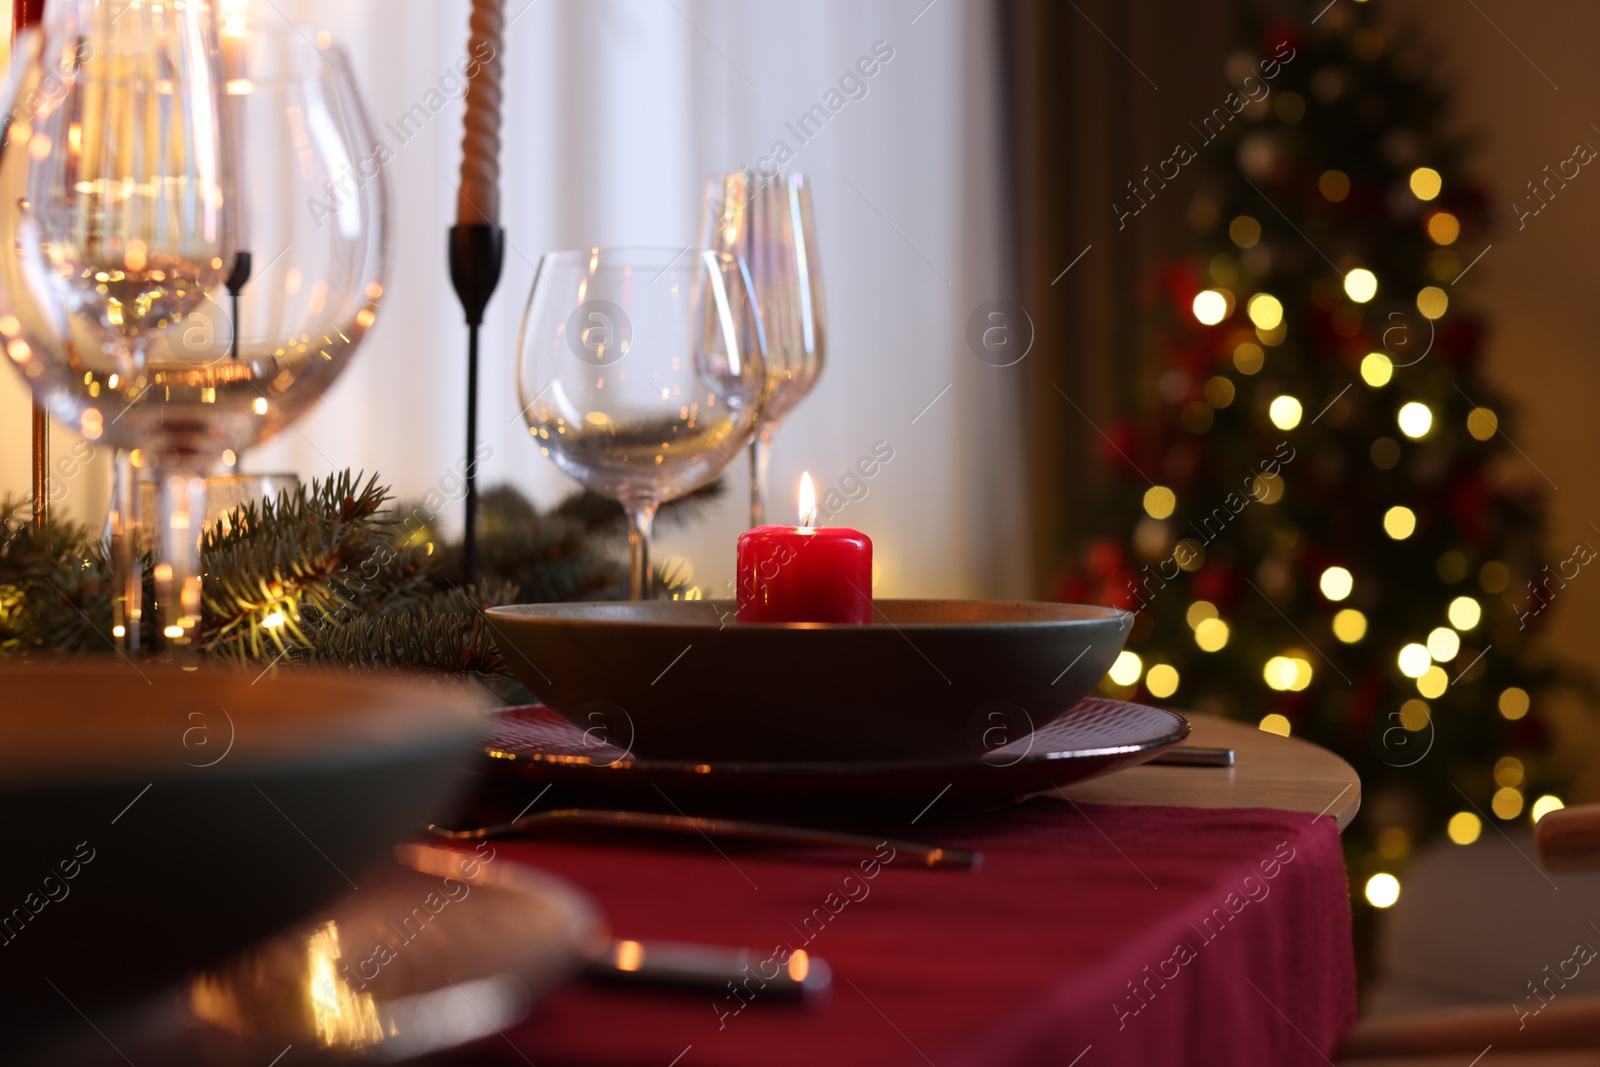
704 967
1196 756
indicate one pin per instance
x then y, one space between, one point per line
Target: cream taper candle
479 200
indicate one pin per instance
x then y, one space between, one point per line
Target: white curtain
616 110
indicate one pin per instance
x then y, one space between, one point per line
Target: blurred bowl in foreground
163 818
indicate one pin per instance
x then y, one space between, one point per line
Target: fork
927 855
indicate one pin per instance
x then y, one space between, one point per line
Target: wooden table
1268 772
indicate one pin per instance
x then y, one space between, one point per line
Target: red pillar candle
805 573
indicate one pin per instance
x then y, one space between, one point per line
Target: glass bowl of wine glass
640 372
156 166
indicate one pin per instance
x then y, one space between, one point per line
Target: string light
1336 583
1383 890
1482 423
1399 522
1464 613
1361 285
1199 612
1285 412
1464 827
1349 626
1377 369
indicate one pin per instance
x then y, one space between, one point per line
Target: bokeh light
1464 613
1425 183
1444 228
1159 501
1383 890
1127 668
1211 635
1265 311
1544 806
1506 802
1161 680
1210 306
1414 660
1464 827
1361 285
1514 703
1244 231
1432 302
1199 612
1349 626
1415 419
1334 185
1377 369
1444 644
1336 583
1433 683
1275 724
1399 522
1482 423
1285 412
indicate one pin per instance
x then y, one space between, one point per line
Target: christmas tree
1315 518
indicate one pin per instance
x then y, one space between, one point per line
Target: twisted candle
479 201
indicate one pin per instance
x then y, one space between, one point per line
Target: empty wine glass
639 372
116 197
768 221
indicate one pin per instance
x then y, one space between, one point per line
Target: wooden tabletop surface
1268 772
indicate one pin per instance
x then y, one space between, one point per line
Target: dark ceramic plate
535 747
929 680
446 947
160 819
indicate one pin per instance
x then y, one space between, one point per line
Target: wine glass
116 197
640 372
768 221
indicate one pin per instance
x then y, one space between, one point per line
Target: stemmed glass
117 198
640 372
768 221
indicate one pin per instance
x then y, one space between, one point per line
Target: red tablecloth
1090 936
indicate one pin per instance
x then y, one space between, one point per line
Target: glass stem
181 496
641 516
127 579
760 452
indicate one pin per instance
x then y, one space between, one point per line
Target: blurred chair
1480 923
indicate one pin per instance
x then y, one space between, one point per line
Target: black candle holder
477 253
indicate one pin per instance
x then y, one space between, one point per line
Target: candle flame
808 501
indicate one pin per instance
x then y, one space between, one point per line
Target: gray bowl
930 679
159 819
